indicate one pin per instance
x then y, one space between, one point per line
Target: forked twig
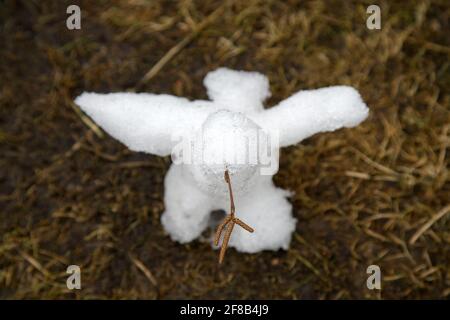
244 225
228 223
220 228
226 239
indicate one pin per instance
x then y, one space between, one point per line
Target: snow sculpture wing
145 122
311 111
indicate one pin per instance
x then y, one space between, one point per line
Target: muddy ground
375 194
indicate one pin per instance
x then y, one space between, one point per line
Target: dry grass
376 194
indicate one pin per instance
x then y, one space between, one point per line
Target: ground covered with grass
376 194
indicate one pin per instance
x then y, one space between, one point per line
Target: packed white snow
232 131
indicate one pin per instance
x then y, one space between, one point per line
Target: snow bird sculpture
232 134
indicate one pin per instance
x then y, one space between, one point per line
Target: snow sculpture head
232 131
227 141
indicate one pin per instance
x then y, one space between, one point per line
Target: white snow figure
220 131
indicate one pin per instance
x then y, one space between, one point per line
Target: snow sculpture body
149 123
